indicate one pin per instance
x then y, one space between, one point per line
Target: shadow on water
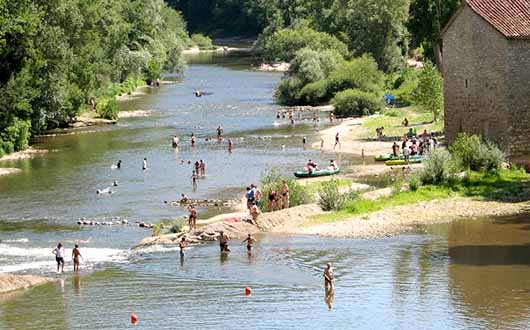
487 255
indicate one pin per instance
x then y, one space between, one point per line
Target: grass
392 120
502 185
313 187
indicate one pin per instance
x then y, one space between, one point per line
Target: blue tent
389 98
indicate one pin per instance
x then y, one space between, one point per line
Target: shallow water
469 274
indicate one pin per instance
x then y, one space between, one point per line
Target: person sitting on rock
184 198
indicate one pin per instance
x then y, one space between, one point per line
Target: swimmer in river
183 245
329 280
223 242
59 256
115 183
144 166
198 93
76 255
250 242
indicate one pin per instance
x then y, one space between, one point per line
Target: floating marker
248 291
134 318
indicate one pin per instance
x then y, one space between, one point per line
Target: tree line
59 56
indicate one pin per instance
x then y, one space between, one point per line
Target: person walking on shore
250 242
329 281
337 141
223 242
59 257
76 257
285 195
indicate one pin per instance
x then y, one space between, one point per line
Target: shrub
15 136
475 154
359 73
288 91
329 196
108 109
429 92
356 103
177 225
414 182
439 167
153 71
316 93
273 180
202 41
310 65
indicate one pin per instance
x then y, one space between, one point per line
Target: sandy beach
350 133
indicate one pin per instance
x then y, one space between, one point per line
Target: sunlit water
470 274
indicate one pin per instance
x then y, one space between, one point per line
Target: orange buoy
248 291
134 318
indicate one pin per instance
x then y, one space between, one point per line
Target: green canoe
324 172
412 160
383 158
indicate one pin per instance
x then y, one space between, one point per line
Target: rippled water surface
469 274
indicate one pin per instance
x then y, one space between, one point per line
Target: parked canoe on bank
412 160
324 172
383 158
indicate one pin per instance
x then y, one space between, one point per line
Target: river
466 274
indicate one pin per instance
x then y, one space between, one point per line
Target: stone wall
474 69
518 80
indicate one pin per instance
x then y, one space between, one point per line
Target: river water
471 274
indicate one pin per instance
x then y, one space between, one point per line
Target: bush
310 65
273 180
288 91
414 182
475 154
356 103
439 167
329 196
283 44
177 225
316 93
430 92
202 41
108 109
15 136
360 73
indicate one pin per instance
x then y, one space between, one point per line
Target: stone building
486 68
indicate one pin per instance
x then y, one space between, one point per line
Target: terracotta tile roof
509 17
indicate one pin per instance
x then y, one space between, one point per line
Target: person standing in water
202 168
144 166
337 141
230 144
329 281
250 242
194 180
193 139
331 117
183 245
76 256
118 165
219 133
175 142
223 242
304 141
59 257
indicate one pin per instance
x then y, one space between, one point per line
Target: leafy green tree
429 93
427 19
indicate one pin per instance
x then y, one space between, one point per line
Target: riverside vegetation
59 55
470 168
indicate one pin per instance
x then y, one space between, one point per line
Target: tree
429 93
427 19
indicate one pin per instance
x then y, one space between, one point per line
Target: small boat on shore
385 157
317 173
411 160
